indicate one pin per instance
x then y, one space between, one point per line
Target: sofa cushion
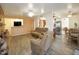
41 29
37 35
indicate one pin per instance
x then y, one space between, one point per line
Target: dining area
72 36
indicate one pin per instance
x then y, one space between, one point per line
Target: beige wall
7 22
28 26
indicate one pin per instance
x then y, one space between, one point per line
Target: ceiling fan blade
75 13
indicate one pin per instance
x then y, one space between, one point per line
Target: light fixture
69 15
31 11
69 6
69 10
30 5
42 11
30 14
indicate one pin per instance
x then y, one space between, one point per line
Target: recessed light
69 6
30 5
42 11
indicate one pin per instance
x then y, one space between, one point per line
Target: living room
39 28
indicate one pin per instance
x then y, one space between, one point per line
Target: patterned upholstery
3 43
41 46
3 47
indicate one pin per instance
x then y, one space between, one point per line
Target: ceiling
20 9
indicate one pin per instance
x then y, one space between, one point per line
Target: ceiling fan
31 11
70 11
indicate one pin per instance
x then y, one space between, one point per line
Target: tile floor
20 45
62 47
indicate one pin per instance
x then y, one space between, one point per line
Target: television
17 23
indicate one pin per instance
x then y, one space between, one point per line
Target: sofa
41 40
3 42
